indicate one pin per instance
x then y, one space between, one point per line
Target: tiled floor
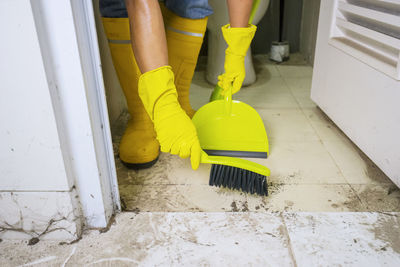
224 239
329 205
314 166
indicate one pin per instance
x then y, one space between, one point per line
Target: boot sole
139 166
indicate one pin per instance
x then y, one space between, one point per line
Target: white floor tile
288 71
344 239
306 162
287 125
323 126
301 90
265 70
304 101
299 85
267 93
356 167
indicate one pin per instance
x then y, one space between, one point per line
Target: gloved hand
175 130
238 40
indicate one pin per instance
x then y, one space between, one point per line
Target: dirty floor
224 239
314 166
329 205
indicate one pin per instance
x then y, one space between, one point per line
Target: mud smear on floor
353 203
371 170
387 229
239 206
383 194
380 197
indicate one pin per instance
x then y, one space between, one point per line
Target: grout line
289 242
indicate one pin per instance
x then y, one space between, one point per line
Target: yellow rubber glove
175 130
238 40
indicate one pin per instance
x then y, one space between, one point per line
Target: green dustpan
231 128
227 127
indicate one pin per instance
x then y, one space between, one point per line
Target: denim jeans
192 9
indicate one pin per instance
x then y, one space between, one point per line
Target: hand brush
237 173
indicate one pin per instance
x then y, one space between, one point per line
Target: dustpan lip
237 153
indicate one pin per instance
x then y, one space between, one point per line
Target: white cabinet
356 75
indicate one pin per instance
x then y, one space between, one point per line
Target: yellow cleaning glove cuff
238 40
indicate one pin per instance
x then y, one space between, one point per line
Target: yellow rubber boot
184 39
139 147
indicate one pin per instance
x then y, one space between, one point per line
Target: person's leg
139 147
148 34
239 12
175 131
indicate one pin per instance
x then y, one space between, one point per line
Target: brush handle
235 162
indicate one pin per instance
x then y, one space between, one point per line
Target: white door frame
69 47
86 31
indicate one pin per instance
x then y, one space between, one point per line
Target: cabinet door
356 75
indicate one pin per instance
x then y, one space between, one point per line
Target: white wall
34 184
57 169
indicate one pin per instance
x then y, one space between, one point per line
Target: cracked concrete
39 216
224 239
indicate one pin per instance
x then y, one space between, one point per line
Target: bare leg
147 34
239 12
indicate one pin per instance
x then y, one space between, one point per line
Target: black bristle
234 177
253 182
243 177
227 174
261 185
257 184
240 179
217 174
238 175
249 181
231 177
213 173
225 179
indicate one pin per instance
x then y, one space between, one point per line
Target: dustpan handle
228 100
